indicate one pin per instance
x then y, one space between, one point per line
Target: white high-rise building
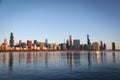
5 42
64 40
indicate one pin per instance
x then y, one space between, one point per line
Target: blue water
83 65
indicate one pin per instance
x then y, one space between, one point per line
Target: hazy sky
57 19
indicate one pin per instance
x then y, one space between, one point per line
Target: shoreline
51 50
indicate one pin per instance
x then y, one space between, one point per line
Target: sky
57 19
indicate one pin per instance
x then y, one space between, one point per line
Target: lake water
83 65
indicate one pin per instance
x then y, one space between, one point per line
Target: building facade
76 44
71 41
113 46
95 46
11 43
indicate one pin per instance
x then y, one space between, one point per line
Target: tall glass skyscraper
11 40
71 41
88 40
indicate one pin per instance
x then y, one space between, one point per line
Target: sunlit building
29 44
95 46
0 46
20 42
5 42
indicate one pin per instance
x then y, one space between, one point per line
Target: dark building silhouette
104 46
113 46
11 58
101 45
23 45
88 43
35 42
11 40
63 46
46 42
88 40
76 44
71 41
67 44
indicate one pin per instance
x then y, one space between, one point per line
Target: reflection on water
73 61
113 57
11 62
70 58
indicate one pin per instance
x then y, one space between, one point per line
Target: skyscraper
11 40
88 43
20 42
64 40
76 44
95 46
113 46
88 40
46 43
5 42
101 45
67 44
29 44
35 42
105 47
71 41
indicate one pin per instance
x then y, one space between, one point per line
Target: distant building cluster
69 44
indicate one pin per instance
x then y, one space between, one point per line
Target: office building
20 43
101 45
46 43
35 42
11 43
76 44
23 45
71 41
67 44
63 46
64 40
113 46
88 43
88 40
5 42
95 46
29 44
104 46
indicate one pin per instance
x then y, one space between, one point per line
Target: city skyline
56 20
69 44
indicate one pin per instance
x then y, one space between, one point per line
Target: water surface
83 65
